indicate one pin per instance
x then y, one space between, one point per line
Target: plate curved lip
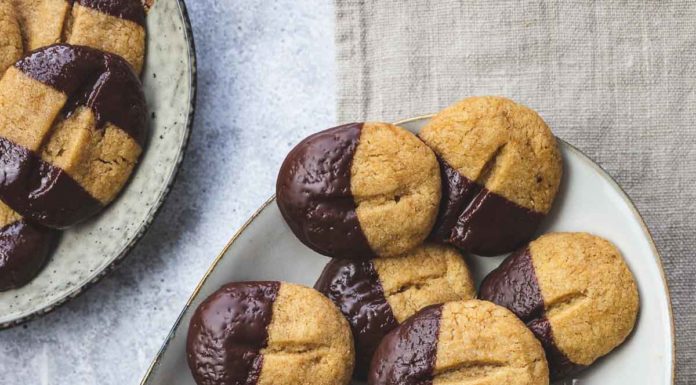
270 200
155 209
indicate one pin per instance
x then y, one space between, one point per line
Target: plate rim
156 208
155 362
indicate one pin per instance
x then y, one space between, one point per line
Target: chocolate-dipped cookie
24 249
10 36
501 168
72 128
575 293
269 333
116 26
460 342
375 296
360 190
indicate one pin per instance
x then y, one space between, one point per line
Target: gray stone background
266 79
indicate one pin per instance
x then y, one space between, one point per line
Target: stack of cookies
73 119
397 304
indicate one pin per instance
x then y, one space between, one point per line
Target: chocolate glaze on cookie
228 331
407 354
24 250
355 288
478 220
514 285
132 10
314 196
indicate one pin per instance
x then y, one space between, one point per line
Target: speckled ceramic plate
89 251
589 200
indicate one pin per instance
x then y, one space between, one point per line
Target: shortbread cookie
72 127
461 342
575 293
360 190
501 169
11 47
375 296
269 333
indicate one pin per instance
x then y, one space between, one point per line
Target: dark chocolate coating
314 197
355 288
228 331
101 81
24 250
407 354
514 285
481 221
41 191
132 10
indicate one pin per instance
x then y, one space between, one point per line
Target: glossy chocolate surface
41 191
228 331
98 80
407 354
314 197
132 10
355 288
24 250
481 221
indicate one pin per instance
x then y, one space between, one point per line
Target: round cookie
360 190
24 249
269 333
460 342
375 296
72 127
116 26
501 168
575 293
11 47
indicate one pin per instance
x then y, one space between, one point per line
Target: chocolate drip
407 354
314 196
514 285
478 220
101 81
40 191
228 331
24 250
132 10
355 288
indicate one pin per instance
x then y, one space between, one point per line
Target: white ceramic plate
589 200
87 252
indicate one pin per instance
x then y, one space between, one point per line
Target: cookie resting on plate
375 296
263 333
501 168
575 293
360 190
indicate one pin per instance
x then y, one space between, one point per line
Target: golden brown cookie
501 170
269 333
376 296
575 293
11 47
72 127
116 26
460 342
360 190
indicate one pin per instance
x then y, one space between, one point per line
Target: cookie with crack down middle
72 127
501 169
360 190
375 296
269 333
575 293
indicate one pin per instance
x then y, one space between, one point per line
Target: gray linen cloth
615 78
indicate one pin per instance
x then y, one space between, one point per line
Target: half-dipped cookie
460 342
24 249
269 333
116 26
375 296
72 128
501 168
10 36
575 293
360 190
